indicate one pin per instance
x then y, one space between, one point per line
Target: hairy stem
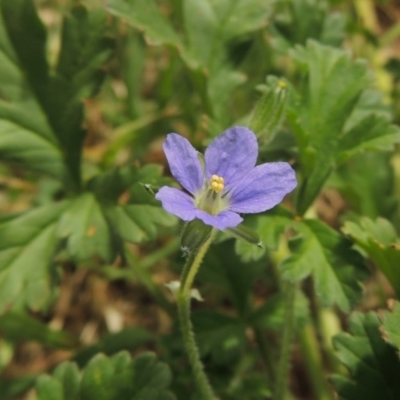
183 299
265 354
311 353
329 326
284 361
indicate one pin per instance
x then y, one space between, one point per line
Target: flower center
211 198
216 183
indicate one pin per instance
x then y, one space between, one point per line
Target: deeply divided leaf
373 364
220 22
379 240
147 17
209 28
221 267
366 182
271 315
269 228
139 217
27 249
128 338
84 50
391 325
85 229
327 256
115 207
323 122
220 336
25 134
296 21
41 113
118 377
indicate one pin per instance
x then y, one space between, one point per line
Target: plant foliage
91 264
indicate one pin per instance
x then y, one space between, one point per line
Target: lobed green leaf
391 325
271 315
128 338
367 184
269 228
84 228
142 216
221 336
78 75
328 123
96 219
26 137
327 256
221 267
373 364
379 240
41 113
209 27
296 21
114 378
147 17
27 250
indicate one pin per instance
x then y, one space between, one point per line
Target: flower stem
189 272
284 361
329 326
311 353
265 354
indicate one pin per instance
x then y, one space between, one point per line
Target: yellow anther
217 183
282 84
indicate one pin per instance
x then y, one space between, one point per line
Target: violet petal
177 202
231 155
263 188
184 162
225 219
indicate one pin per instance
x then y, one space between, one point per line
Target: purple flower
227 184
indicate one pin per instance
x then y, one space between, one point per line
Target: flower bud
270 109
194 234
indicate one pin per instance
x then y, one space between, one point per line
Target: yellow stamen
217 183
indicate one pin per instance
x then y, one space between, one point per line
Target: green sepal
270 109
245 234
194 234
151 189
